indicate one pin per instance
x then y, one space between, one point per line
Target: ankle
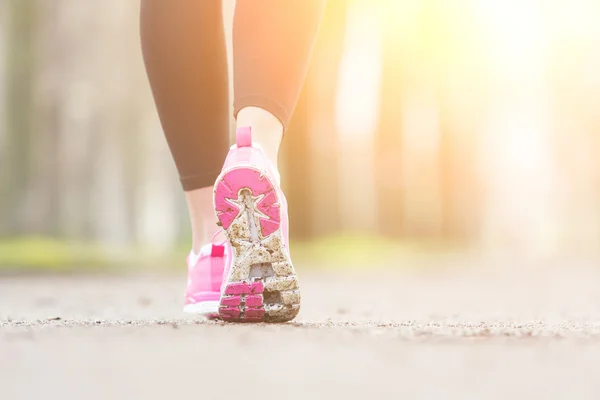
267 130
198 241
202 217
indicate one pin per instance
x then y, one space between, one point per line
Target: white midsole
204 307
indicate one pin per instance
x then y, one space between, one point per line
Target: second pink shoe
205 278
260 284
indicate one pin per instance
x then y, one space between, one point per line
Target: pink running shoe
260 284
205 278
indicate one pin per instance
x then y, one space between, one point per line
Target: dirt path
418 334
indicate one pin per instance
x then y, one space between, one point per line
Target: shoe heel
262 284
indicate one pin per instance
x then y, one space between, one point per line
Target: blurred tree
19 122
295 154
3 120
82 152
310 149
388 137
462 104
575 95
420 146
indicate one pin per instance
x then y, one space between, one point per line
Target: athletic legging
184 51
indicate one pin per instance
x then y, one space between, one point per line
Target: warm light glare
516 34
358 95
507 50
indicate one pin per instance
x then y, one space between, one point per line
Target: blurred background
433 126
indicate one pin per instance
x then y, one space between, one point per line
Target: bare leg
184 51
273 43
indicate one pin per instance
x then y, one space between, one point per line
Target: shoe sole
261 285
207 309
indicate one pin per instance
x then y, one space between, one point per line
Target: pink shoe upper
206 275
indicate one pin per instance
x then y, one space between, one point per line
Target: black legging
184 51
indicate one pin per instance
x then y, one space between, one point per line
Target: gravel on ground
448 332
